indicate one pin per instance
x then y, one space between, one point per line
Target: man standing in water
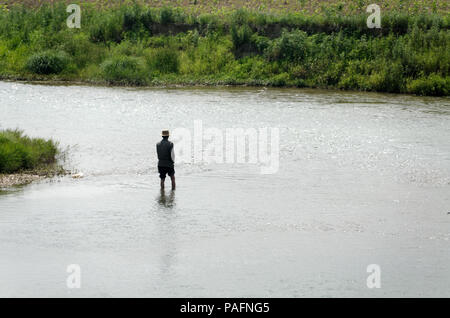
166 159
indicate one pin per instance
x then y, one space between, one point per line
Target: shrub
240 17
211 56
390 78
208 22
260 43
147 19
291 46
240 36
83 51
107 28
167 15
48 62
397 23
280 80
433 85
18 152
164 60
131 20
124 70
12 157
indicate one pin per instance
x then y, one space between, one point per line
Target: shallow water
363 179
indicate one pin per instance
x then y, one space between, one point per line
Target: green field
324 44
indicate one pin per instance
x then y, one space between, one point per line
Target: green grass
268 6
20 153
217 43
123 69
47 62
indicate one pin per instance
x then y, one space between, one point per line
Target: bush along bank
139 45
24 159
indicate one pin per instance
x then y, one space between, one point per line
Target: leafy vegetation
300 43
347 7
47 62
123 69
20 153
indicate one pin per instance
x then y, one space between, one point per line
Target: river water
362 179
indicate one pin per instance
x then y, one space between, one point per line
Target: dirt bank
10 180
27 177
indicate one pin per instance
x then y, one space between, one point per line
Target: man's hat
165 133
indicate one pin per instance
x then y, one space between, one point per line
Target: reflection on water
166 200
166 231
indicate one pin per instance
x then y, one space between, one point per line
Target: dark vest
164 150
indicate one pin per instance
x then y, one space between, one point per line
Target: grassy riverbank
24 159
322 44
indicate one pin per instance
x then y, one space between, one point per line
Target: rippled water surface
363 179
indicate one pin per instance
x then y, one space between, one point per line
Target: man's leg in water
173 182
162 183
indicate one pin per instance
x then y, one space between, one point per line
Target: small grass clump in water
19 153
